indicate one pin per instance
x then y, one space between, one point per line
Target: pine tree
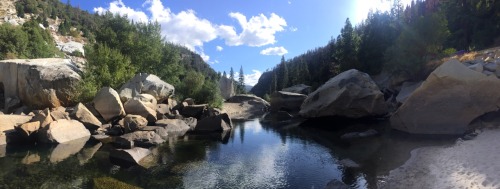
282 79
347 47
241 82
224 75
231 74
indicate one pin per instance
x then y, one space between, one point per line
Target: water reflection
252 155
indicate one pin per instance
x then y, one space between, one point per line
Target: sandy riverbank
468 164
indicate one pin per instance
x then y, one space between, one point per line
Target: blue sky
233 33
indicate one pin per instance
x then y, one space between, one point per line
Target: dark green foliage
13 42
347 48
240 85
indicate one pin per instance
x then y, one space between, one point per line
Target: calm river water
252 155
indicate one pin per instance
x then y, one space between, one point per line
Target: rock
102 138
220 122
368 133
30 158
406 90
87 153
115 130
9 122
40 83
476 67
43 116
226 87
65 150
191 122
11 104
492 67
3 140
148 100
110 182
82 114
162 109
286 101
71 47
448 100
143 83
58 115
241 98
189 101
132 123
300 88
244 107
136 107
171 103
27 129
350 94
174 126
108 104
349 163
144 139
196 111
62 131
131 156
159 130
23 110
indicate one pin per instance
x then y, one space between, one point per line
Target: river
252 155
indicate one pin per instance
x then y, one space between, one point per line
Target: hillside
48 28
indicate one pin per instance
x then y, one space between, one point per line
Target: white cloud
118 7
252 79
183 28
293 29
257 31
219 48
274 51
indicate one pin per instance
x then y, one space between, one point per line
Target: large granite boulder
40 83
144 139
9 122
108 104
174 126
220 122
143 83
226 86
83 114
448 101
137 107
62 131
351 94
245 107
300 88
286 101
406 90
196 111
132 123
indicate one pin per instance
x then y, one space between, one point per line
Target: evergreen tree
224 75
241 82
282 79
347 48
231 74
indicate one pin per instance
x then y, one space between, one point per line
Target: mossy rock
111 183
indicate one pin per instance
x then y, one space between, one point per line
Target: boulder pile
140 116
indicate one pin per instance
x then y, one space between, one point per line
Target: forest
402 41
115 51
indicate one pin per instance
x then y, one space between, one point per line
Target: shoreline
467 164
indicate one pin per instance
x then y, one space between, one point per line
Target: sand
467 164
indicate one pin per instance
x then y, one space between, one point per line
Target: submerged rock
351 94
448 101
129 156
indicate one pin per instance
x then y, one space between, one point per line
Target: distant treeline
401 41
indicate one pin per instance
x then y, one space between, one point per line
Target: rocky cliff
7 10
226 88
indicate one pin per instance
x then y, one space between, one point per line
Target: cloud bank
274 51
